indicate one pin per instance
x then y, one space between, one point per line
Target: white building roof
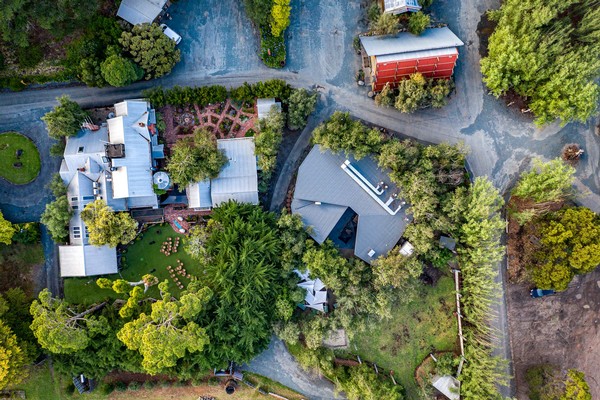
400 6
198 195
406 42
87 260
263 106
140 11
133 174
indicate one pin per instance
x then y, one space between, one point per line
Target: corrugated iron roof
87 260
405 42
140 11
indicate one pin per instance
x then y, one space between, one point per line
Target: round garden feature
19 158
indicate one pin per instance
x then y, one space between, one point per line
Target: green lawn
10 143
142 258
415 330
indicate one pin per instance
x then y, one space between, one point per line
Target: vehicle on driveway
535 293
171 33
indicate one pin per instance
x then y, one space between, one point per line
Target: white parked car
170 33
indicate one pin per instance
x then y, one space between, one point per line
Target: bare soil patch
563 329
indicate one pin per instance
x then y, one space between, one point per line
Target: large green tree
280 16
300 105
342 133
196 158
65 119
12 358
56 217
151 49
7 230
120 71
569 245
546 182
547 53
61 327
168 333
384 24
244 274
107 227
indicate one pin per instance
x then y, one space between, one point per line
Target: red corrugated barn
393 58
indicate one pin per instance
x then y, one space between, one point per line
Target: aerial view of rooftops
299 199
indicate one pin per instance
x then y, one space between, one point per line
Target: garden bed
19 158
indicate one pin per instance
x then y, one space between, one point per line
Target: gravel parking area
562 329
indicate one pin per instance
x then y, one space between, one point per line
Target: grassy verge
415 330
142 257
29 159
269 385
42 384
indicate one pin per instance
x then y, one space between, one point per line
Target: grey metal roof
87 260
321 178
405 42
140 11
327 214
448 242
198 195
238 180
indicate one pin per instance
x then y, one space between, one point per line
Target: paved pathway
278 364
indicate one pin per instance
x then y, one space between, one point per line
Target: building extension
399 6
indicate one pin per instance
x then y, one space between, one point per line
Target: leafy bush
29 57
385 24
120 386
419 92
183 96
134 386
106 388
418 22
120 71
58 149
300 105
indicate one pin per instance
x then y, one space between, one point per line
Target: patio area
180 217
226 120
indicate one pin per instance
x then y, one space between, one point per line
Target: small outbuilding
447 385
448 243
392 58
141 11
263 107
399 6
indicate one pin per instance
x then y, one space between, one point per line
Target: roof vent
371 253
317 203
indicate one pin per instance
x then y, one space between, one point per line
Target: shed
87 260
447 385
448 242
393 58
140 11
399 6
263 106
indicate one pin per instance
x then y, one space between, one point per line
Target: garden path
227 120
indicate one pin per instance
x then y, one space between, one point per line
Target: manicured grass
416 329
143 256
10 143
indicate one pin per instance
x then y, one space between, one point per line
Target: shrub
134 386
106 388
418 22
272 49
120 386
120 71
29 57
149 384
58 149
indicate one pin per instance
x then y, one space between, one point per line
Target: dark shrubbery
29 57
277 88
182 96
272 49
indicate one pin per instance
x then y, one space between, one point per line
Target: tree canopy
7 230
56 217
12 358
59 327
151 49
168 332
65 119
120 71
418 22
196 158
546 52
243 271
107 227
280 16
551 181
300 105
342 133
269 138
569 245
